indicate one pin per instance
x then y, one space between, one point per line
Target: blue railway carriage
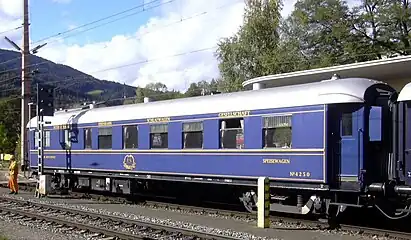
392 197
321 144
402 139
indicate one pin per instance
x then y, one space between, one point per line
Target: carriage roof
405 94
349 90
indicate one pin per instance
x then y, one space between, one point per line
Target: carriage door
351 133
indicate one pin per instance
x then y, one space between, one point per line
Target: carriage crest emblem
129 162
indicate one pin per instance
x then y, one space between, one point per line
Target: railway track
102 225
307 224
283 222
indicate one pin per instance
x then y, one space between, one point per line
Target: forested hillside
72 86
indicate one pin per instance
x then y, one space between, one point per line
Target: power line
154 59
10 60
186 53
120 66
102 19
140 62
88 29
10 30
170 56
182 20
185 19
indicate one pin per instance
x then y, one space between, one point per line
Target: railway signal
45 100
45 107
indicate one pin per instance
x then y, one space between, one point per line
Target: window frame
161 134
220 131
124 139
264 130
47 138
85 138
183 132
98 138
351 124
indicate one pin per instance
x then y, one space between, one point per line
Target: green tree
385 25
158 87
323 31
138 98
6 146
251 52
193 90
204 88
9 124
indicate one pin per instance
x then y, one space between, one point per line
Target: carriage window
375 129
346 123
193 135
105 138
87 138
159 136
277 132
130 137
46 139
232 133
36 139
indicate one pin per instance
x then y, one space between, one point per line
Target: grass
94 92
3 238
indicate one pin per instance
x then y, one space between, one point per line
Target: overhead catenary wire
10 60
129 15
102 19
90 23
156 29
165 57
157 59
182 19
121 66
10 30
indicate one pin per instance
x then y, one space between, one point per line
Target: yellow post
263 203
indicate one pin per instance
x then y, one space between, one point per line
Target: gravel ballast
17 229
291 230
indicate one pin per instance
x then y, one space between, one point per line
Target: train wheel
249 201
333 215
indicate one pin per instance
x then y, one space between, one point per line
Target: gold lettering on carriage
129 162
234 114
276 161
105 123
159 119
62 127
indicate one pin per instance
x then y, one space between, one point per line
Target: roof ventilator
335 77
146 100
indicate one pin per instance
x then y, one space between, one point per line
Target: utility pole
25 82
25 85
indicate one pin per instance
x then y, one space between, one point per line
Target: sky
168 41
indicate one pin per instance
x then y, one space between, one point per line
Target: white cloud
162 36
72 26
11 9
10 18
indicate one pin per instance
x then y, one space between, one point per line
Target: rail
141 228
303 223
